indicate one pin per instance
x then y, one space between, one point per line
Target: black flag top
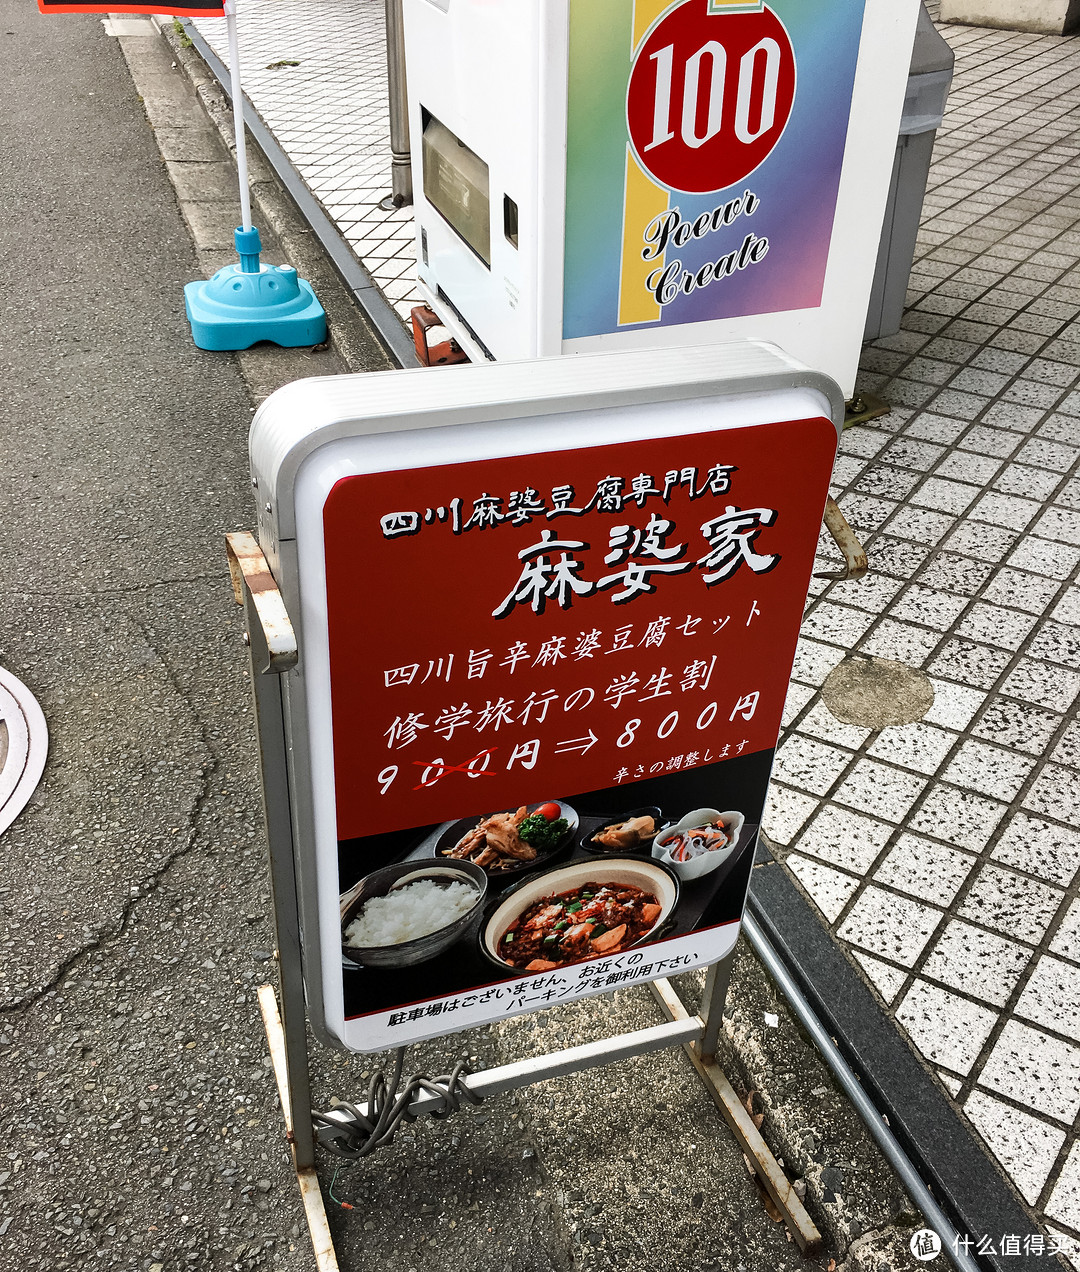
187 9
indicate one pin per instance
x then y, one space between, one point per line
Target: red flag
188 9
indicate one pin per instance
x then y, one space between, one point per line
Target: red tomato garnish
549 811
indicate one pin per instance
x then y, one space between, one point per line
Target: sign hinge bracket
248 568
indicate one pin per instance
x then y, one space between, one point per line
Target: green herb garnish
541 834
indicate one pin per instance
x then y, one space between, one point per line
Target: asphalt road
139 1126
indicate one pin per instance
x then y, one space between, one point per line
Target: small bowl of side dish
592 921
632 832
699 843
405 914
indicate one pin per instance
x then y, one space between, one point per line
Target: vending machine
630 174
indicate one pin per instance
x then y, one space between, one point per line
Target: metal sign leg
273 652
713 999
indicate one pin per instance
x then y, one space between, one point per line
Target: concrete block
212 225
198 144
1046 17
204 182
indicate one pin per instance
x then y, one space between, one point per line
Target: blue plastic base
240 306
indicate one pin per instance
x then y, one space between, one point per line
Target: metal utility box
609 174
929 81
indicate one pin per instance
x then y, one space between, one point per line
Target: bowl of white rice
405 914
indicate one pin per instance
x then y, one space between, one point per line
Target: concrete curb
192 123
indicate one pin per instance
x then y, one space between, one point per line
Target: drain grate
24 743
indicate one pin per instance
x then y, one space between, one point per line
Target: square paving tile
994 625
1021 590
1038 682
1006 510
814 661
929 607
924 869
955 706
886 979
1056 643
901 642
890 925
979 963
877 789
945 496
797 697
1062 524
1011 903
1026 1146
1043 556
964 466
1017 726
838 624
1051 997
845 838
1054 794
1064 1201
809 765
1066 940
1040 848
1068 608
1043 1071
829 889
1022 479
785 812
958 817
970 664
947 1029
819 722
990 770
918 746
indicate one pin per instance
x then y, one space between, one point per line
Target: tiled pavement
943 854
328 113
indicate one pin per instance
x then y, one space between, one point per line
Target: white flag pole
249 301
238 113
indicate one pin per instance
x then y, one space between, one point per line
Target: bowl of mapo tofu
589 909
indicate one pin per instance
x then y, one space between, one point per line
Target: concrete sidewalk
942 855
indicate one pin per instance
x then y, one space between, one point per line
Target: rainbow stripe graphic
610 199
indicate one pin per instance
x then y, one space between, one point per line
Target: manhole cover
24 743
875 693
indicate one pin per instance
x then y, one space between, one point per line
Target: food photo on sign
552 752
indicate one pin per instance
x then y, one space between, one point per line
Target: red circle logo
709 96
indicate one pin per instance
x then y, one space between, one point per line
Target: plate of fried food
634 831
511 841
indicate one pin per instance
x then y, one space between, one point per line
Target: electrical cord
350 1131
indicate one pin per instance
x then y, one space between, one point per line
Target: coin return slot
510 220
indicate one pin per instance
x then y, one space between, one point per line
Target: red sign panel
510 628
188 9
577 660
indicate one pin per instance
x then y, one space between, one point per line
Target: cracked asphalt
139 1123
